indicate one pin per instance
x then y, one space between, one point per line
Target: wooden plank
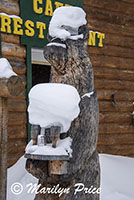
104 94
113 117
13 50
121 106
114 84
103 27
10 38
16 145
113 74
46 157
17 119
10 8
112 62
110 50
118 40
3 147
18 66
16 106
109 16
114 128
17 132
116 139
124 150
117 6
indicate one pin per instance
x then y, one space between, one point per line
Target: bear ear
84 30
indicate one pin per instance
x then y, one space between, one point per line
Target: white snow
6 70
66 20
56 44
53 104
117 178
18 174
63 148
87 95
11 16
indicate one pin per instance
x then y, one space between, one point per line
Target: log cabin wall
114 72
16 54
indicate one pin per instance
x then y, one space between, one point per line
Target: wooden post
12 86
3 147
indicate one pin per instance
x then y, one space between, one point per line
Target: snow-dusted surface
56 44
11 16
53 104
87 95
6 70
117 178
66 21
63 148
18 174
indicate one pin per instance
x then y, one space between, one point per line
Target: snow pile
117 178
6 69
63 148
66 21
53 104
18 174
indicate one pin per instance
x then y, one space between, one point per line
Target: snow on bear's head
66 22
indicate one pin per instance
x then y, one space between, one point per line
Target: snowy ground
117 179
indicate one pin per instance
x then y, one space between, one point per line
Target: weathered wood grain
112 129
109 5
121 106
110 50
13 50
113 74
3 147
119 139
9 8
109 16
111 62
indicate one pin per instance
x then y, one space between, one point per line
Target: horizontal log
104 27
114 84
17 132
128 1
13 50
112 62
120 95
114 74
10 8
118 40
116 139
17 119
112 117
14 39
124 150
109 16
114 128
10 57
110 50
18 66
12 86
117 6
16 145
16 106
121 106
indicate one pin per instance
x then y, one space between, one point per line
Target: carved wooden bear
70 64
